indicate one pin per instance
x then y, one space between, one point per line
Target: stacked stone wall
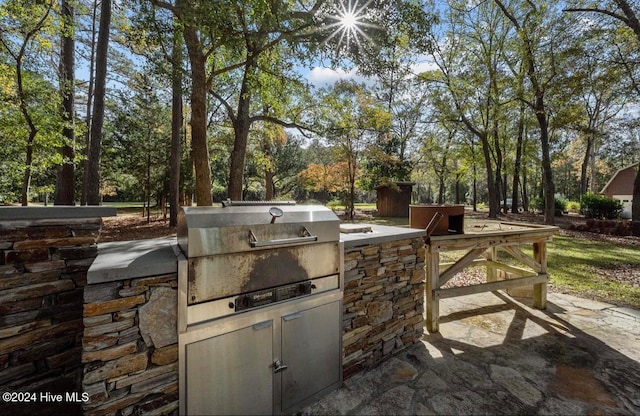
383 301
130 346
43 270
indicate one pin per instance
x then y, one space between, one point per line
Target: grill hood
206 231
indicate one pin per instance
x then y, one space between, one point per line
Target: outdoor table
481 242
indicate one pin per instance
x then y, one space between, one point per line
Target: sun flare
349 21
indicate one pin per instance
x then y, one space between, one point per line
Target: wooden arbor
481 246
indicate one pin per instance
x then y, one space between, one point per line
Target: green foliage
42 100
560 203
600 206
537 204
335 203
573 206
138 143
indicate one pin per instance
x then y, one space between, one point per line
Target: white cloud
424 66
322 76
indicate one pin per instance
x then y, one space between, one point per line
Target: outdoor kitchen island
132 349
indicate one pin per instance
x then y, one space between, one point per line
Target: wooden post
432 265
540 289
492 256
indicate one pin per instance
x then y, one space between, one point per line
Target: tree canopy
476 102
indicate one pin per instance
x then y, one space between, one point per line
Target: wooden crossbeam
459 265
490 286
519 255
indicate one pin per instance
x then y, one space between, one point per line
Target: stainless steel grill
257 283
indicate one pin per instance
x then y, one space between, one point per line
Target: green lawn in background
573 265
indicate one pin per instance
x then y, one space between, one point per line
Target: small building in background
394 199
620 187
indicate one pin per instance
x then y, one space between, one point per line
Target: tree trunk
268 181
584 167
241 127
176 127
33 131
547 172
65 183
148 186
26 178
24 109
494 206
95 149
635 205
87 136
592 163
517 166
199 147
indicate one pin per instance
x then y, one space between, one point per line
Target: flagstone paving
498 355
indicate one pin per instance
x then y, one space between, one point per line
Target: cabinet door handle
262 325
292 316
278 366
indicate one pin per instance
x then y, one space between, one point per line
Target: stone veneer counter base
45 253
383 304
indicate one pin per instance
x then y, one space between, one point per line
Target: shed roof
613 177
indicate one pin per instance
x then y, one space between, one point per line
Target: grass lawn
587 268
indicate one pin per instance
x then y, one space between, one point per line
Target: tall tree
527 26
26 23
628 14
93 31
176 128
466 88
197 20
352 120
97 120
261 64
65 184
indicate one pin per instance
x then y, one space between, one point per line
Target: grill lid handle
305 237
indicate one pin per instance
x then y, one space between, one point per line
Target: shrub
560 203
573 206
600 206
537 204
335 204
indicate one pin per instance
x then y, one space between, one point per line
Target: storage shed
394 199
620 187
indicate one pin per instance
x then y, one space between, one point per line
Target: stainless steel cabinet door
231 373
311 349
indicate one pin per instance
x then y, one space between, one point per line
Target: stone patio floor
497 355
